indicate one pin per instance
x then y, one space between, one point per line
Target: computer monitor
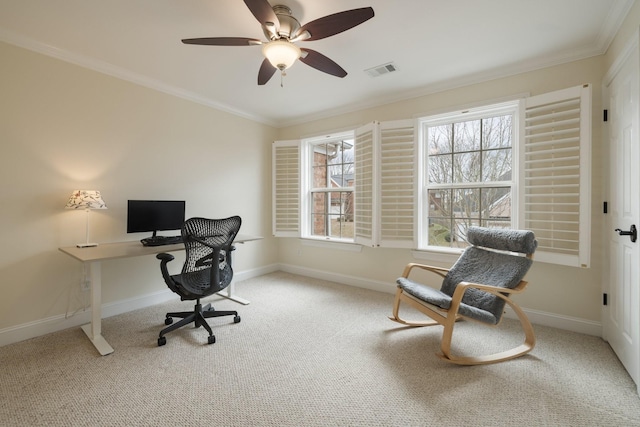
154 215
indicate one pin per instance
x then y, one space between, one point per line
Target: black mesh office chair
207 270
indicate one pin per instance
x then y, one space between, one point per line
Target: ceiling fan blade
320 62
223 41
336 23
266 72
264 13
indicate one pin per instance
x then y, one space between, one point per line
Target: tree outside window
469 168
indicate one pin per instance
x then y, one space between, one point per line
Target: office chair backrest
480 263
208 243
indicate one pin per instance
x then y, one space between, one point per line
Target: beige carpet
308 353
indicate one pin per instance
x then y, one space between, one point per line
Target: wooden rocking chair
476 287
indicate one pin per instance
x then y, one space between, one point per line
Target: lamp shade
86 199
281 53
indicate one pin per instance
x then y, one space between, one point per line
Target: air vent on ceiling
379 70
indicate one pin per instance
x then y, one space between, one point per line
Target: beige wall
554 289
65 127
628 30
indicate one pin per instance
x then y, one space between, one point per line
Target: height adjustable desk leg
94 329
228 293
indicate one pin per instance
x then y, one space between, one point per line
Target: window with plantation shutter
397 159
286 188
365 197
385 184
514 164
555 177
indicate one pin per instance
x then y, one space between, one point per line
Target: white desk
93 257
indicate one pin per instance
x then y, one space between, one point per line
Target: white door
621 320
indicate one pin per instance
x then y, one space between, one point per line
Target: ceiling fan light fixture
281 53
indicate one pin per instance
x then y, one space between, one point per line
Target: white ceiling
435 44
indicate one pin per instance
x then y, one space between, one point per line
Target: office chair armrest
164 259
440 271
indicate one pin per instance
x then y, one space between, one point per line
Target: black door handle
633 232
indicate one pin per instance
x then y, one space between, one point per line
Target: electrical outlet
299 252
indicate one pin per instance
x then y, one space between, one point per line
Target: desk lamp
87 200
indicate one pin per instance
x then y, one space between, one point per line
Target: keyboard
161 240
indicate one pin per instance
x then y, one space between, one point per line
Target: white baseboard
358 282
239 276
60 322
48 325
568 323
537 317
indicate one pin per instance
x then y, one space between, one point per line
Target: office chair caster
168 320
162 341
211 339
236 319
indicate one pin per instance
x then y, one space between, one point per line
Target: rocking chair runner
477 287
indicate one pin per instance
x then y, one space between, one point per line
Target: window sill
332 244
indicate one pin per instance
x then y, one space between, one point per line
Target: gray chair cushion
442 300
503 239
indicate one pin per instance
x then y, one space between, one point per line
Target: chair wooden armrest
495 290
440 271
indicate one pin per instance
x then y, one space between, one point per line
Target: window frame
449 118
307 190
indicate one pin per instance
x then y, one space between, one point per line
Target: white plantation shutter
555 175
385 184
286 188
397 160
365 177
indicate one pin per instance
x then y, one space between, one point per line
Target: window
420 184
330 192
314 188
467 173
522 165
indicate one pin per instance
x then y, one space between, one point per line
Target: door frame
630 48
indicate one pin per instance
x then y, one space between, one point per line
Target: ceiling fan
282 30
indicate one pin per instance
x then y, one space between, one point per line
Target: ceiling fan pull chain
282 74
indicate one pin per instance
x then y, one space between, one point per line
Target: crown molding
123 74
610 26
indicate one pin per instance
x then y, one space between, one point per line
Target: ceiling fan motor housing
289 25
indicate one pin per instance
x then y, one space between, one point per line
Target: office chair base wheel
168 321
162 341
236 319
211 339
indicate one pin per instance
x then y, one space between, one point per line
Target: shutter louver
397 184
286 188
364 185
556 161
